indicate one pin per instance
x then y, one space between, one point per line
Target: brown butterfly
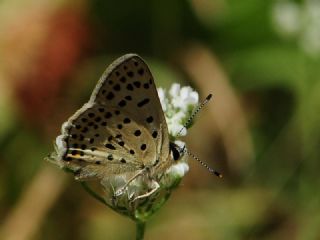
120 131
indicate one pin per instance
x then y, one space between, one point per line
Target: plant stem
140 228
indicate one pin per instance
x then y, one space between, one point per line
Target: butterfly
120 131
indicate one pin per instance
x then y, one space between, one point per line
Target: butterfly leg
156 186
121 190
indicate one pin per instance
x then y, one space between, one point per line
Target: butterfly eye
175 154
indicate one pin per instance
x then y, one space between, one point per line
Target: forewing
122 128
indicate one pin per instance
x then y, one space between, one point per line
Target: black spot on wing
108 115
83 147
137 84
137 133
129 98
149 119
130 87
154 134
122 103
123 79
117 87
110 146
130 74
143 102
141 71
126 120
74 136
110 96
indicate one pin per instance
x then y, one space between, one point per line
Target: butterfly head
176 152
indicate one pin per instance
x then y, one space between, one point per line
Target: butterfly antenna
204 164
195 112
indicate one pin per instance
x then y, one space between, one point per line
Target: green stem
140 228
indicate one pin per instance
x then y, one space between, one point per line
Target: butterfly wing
121 129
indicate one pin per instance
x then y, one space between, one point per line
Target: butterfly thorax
160 167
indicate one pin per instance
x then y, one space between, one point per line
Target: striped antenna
201 105
204 164
211 170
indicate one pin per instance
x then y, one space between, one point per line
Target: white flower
178 106
176 128
175 124
174 90
300 22
163 99
183 97
287 18
309 40
178 170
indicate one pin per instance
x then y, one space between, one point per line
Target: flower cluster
178 105
299 21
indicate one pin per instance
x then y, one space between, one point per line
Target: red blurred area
61 50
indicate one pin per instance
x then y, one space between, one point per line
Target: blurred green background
260 59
